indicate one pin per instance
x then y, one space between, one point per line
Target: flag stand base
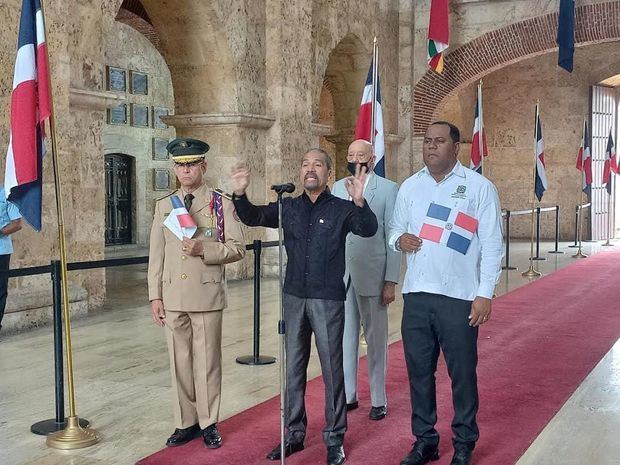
531 273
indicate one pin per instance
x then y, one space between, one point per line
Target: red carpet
543 340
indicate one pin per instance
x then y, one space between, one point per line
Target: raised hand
355 185
240 178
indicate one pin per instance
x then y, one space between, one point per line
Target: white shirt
435 268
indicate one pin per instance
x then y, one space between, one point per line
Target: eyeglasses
358 156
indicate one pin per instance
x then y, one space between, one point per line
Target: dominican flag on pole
479 140
540 184
363 127
30 107
438 34
449 227
611 165
584 161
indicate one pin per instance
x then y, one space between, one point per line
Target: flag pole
480 136
607 243
375 67
73 436
531 272
579 253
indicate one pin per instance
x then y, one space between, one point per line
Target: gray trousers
324 318
372 315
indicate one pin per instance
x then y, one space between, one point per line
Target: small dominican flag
364 122
584 161
438 34
611 165
449 227
540 185
30 107
479 140
179 221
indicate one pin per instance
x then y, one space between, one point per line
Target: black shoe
335 455
461 457
289 448
421 454
211 437
378 413
183 435
352 406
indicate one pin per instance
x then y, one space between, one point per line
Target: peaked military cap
185 150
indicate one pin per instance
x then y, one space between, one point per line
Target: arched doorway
118 207
340 95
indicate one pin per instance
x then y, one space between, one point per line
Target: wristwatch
397 245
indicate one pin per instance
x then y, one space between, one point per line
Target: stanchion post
576 226
538 257
507 266
256 358
557 231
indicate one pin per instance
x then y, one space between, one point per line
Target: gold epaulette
167 195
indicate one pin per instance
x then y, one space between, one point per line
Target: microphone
282 188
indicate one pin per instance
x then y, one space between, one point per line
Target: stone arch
596 23
133 14
195 47
343 80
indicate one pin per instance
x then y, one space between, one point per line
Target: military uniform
193 291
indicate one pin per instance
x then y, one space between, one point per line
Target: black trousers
4 283
432 323
324 318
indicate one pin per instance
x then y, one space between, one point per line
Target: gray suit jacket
370 261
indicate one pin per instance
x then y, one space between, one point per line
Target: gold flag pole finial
531 272
73 436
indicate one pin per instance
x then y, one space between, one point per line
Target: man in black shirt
315 227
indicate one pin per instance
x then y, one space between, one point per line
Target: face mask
351 167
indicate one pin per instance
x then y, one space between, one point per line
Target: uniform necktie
188 201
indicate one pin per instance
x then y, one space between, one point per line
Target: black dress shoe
461 457
421 454
352 406
183 435
289 448
211 437
335 455
378 413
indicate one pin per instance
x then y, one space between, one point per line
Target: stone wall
509 99
128 49
248 75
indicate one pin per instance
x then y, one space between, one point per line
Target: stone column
233 137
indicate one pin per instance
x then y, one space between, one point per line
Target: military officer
187 290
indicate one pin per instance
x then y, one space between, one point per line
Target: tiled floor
123 383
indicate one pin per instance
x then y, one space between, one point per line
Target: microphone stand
280 189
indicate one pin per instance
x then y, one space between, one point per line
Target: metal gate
603 118
118 216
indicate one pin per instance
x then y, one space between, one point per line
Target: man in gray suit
372 271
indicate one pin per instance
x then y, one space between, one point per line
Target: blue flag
566 34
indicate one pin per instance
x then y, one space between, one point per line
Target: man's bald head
361 151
